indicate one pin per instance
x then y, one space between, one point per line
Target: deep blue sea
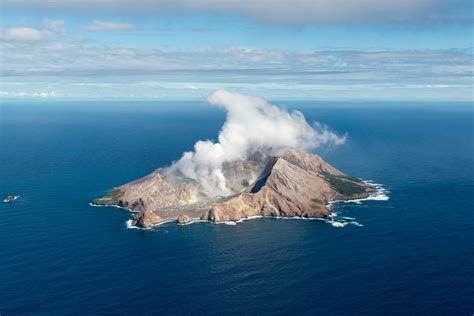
414 254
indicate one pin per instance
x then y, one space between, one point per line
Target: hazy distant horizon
327 50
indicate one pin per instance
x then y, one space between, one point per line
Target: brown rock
145 219
183 219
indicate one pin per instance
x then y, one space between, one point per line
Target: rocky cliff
284 183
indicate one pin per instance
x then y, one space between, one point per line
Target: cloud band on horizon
290 12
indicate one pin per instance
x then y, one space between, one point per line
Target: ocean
410 254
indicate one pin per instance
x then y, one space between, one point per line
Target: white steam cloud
252 124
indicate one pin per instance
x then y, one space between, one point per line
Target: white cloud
252 124
97 26
33 56
25 34
50 29
27 94
280 11
247 65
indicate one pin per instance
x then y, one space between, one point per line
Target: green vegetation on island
110 199
343 184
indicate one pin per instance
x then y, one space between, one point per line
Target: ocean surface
411 255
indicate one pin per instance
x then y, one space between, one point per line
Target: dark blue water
414 254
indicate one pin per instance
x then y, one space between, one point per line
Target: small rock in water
10 198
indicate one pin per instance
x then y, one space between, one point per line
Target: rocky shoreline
283 184
187 220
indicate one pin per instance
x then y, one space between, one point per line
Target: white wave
248 218
254 217
287 217
295 217
338 224
164 222
193 221
232 223
114 206
130 226
261 216
379 195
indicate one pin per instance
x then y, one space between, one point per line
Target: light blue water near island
414 254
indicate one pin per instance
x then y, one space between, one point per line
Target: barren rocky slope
284 183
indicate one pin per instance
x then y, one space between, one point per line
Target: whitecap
249 218
379 195
194 221
272 217
129 225
232 223
338 224
349 218
114 206
164 222
253 217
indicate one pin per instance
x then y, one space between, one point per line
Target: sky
419 50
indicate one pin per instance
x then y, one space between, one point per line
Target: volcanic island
280 183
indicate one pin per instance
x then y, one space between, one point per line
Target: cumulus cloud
252 124
30 34
281 11
24 34
97 26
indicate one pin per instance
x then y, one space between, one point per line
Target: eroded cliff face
284 183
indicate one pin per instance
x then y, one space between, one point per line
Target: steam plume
252 124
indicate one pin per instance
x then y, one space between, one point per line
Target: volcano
282 183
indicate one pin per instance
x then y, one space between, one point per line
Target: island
281 183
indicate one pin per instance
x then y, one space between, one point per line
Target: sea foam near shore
381 194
